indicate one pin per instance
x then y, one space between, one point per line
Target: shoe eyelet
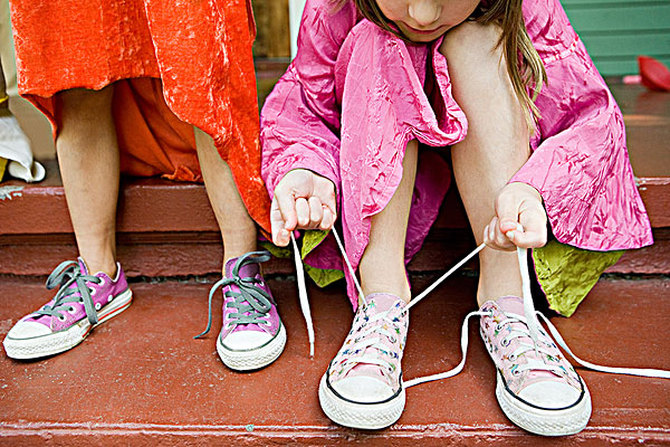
498 327
512 357
102 282
505 342
71 310
516 372
98 306
92 291
61 317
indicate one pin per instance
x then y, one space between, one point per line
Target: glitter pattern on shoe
362 388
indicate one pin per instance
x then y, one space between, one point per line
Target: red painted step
168 229
141 378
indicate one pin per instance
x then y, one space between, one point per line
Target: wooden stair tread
143 376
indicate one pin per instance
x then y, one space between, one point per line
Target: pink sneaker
362 387
83 302
252 335
537 388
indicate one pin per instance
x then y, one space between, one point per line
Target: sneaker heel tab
117 275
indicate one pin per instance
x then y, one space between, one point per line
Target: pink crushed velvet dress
356 95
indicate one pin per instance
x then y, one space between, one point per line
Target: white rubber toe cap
28 329
363 389
246 340
549 394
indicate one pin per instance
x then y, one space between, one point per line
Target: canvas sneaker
83 301
537 388
362 387
252 335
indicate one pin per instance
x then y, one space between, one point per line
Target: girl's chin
422 37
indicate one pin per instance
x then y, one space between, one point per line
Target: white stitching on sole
24 349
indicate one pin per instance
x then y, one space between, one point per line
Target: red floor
141 377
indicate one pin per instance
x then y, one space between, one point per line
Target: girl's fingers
328 219
325 190
315 212
302 211
494 238
286 204
534 235
280 236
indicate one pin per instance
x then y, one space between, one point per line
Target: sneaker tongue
82 266
376 302
248 270
514 305
381 301
511 304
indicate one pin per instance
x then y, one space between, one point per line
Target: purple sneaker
83 301
362 387
537 388
252 335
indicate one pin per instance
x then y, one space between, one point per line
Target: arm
300 124
580 163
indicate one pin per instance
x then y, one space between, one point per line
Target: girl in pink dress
354 130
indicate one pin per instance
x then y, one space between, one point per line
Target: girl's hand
302 199
517 204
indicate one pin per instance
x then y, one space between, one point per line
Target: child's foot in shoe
82 302
252 335
362 387
537 388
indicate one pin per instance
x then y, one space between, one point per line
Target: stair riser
182 254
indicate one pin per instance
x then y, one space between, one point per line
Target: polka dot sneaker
252 336
83 301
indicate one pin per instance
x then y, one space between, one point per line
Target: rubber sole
253 358
61 341
362 416
544 422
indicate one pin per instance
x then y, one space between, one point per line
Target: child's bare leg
88 156
496 145
237 228
382 266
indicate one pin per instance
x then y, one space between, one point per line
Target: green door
615 31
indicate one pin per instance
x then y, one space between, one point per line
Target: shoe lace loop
539 355
252 302
529 318
63 276
368 332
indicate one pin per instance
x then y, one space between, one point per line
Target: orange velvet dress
175 64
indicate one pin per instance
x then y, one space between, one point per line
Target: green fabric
323 277
3 165
310 240
277 252
567 273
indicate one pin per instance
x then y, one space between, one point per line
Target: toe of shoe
27 329
551 395
363 389
246 340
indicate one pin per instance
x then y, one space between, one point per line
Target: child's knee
85 100
470 44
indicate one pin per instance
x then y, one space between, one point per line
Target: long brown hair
524 66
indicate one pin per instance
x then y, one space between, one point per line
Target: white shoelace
529 313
